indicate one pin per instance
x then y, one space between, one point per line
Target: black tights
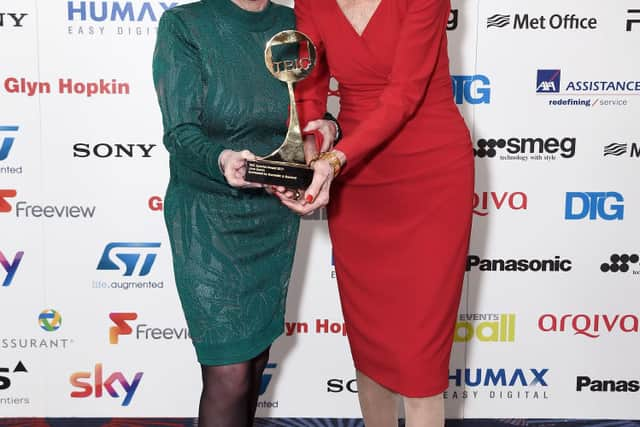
230 393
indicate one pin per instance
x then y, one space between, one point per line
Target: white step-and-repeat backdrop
90 324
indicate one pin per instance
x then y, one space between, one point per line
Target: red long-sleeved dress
400 212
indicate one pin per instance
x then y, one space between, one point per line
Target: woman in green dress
232 242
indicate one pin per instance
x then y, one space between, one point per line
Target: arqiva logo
87 388
589 325
486 201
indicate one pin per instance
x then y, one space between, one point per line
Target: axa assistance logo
10 267
50 320
87 384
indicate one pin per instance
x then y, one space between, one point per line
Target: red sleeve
414 62
311 93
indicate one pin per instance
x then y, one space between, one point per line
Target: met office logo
584 92
118 19
556 21
131 263
525 149
607 206
8 135
622 150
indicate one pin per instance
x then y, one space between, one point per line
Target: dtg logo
129 257
594 205
87 389
50 320
473 89
122 327
5 206
548 81
266 378
7 141
10 268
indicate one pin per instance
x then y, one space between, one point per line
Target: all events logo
633 18
584 92
10 266
604 205
622 263
526 148
87 384
12 19
22 209
8 134
65 86
589 325
607 385
50 320
498 383
142 331
8 375
105 150
485 327
535 265
131 260
471 89
491 201
267 376
557 21
622 149
118 19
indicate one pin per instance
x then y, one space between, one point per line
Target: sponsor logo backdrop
91 324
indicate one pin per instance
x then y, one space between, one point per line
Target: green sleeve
179 83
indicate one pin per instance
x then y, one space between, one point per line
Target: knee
232 381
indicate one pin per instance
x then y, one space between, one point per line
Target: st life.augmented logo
471 89
132 261
9 267
118 19
8 373
526 148
267 376
7 138
633 18
607 206
621 149
86 386
50 320
524 21
12 19
622 263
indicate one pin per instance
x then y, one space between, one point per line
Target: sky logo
126 253
122 327
548 81
87 389
10 268
7 141
50 320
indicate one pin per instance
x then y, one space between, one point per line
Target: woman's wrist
329 117
335 158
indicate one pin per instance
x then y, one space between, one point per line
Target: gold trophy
286 165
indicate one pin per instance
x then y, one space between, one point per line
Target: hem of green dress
228 357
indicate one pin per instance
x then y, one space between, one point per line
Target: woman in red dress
400 210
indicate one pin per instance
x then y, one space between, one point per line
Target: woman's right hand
233 165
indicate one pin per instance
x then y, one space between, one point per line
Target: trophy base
290 175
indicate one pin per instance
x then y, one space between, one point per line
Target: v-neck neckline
350 25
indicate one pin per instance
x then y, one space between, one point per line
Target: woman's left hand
327 129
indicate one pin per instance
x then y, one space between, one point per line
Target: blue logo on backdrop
266 378
594 205
472 89
548 81
120 11
498 377
7 139
129 257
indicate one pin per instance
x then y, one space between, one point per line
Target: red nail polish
309 198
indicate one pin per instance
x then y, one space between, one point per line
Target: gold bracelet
333 160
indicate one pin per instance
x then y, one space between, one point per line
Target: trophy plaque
286 165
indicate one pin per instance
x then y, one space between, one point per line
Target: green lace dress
232 249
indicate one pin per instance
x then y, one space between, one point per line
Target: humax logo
87 389
472 89
594 205
130 255
7 138
10 268
117 11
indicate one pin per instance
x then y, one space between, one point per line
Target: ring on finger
297 195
